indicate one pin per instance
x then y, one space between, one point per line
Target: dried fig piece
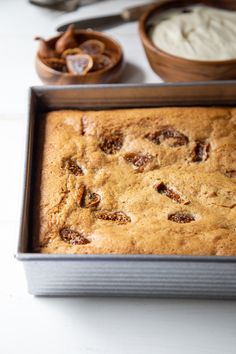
200 151
86 198
173 136
84 125
181 218
73 237
92 47
72 166
79 64
111 143
45 49
231 173
92 199
138 160
66 41
57 64
162 188
118 216
80 195
71 51
101 62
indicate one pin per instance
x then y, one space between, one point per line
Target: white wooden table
86 325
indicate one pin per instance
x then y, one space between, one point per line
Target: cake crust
137 181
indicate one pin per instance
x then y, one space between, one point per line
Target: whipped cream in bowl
195 32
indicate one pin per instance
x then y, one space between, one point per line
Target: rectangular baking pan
121 275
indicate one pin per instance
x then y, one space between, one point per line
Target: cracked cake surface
137 181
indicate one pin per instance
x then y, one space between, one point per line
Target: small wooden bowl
50 76
172 68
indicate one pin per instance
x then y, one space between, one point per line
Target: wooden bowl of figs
79 57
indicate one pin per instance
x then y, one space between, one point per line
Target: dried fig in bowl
71 51
66 41
57 64
46 50
101 62
79 64
92 47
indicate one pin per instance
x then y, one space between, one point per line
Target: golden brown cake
138 181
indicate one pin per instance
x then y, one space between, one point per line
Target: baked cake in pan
138 181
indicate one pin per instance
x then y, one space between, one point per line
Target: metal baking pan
121 275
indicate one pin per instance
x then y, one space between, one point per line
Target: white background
88 325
